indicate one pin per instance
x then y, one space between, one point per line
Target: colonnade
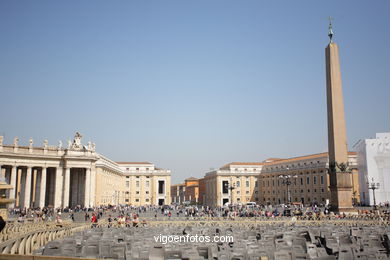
41 186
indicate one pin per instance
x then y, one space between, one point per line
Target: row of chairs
265 242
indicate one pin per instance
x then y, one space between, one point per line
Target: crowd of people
130 215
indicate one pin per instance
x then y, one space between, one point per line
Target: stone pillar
14 182
42 192
66 187
93 187
87 190
2 176
58 187
34 187
27 191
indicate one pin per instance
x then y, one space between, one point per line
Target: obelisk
339 173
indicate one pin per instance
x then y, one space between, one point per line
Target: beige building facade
178 195
75 175
145 184
234 183
49 175
266 182
110 185
308 177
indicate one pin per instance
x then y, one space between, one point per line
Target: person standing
94 220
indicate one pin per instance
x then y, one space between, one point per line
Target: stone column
13 184
18 186
93 187
42 193
87 190
66 187
27 191
58 187
34 187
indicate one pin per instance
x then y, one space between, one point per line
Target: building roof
179 184
304 157
191 179
192 185
241 163
134 163
272 160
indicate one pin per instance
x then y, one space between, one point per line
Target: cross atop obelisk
339 174
330 33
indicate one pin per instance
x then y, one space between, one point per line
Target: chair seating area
265 242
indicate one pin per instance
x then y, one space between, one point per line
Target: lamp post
373 186
286 179
231 188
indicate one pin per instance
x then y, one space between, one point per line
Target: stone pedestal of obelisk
339 173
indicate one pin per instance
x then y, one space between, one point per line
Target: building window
314 180
322 179
136 200
126 200
247 184
247 192
301 181
161 187
225 187
127 192
147 192
307 180
146 200
147 184
127 184
137 184
137 169
147 169
137 192
127 177
256 184
238 184
238 192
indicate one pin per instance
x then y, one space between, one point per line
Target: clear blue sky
190 85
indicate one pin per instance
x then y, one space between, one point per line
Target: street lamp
286 179
373 186
231 188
